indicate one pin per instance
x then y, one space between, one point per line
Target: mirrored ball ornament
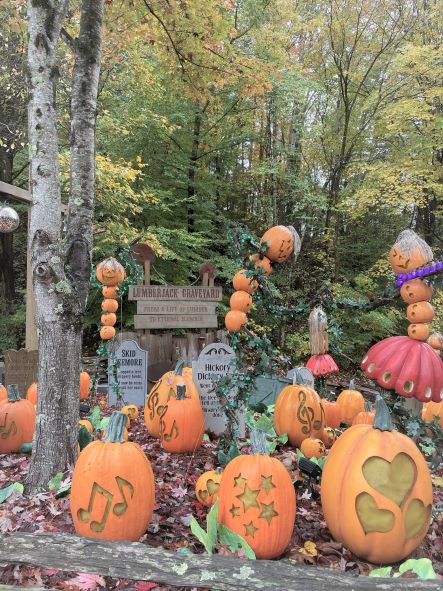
9 219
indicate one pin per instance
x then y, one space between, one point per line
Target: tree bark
60 265
7 240
192 170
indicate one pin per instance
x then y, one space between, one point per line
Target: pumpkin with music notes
17 421
207 487
112 491
182 423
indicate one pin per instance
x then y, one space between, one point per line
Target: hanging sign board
172 292
172 308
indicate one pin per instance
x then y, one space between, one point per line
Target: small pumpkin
329 437
262 262
109 305
17 421
107 332
366 417
110 272
241 301
3 393
416 290
436 341
32 393
182 423
87 425
110 292
280 242
351 402
235 320
409 252
108 319
419 332
131 410
376 491
312 447
112 491
432 411
85 382
243 283
332 413
207 487
421 312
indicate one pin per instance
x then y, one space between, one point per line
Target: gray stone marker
301 372
132 371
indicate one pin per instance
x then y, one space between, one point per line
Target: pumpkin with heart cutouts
207 487
376 491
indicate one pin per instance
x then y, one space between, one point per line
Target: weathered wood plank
141 562
20 195
171 307
175 292
176 321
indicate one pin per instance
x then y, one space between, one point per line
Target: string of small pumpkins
110 273
280 242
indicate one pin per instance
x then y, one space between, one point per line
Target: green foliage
422 567
7 491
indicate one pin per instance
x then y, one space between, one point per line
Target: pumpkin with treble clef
299 413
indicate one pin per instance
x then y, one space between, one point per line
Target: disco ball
9 219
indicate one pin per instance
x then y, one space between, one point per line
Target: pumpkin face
234 320
131 410
433 411
107 332
17 422
365 417
241 301
419 332
280 243
182 424
262 263
257 501
109 305
110 292
332 413
207 487
416 290
420 312
329 437
351 402
110 272
312 448
299 413
32 393
321 365
108 319
243 283
409 252
112 492
3 393
87 425
85 382
376 491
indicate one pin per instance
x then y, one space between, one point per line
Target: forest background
220 115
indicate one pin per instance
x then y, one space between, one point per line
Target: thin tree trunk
193 166
7 240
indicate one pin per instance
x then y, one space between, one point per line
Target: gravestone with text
215 361
21 368
132 373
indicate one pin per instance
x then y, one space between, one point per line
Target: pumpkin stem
368 406
179 367
181 391
258 442
382 415
116 428
13 394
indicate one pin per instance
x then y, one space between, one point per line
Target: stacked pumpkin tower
279 242
110 273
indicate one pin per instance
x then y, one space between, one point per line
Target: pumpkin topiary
421 312
182 423
243 283
107 332
366 417
17 421
332 413
235 320
351 402
257 500
419 332
108 319
409 252
32 393
109 305
112 492
313 448
329 437
110 272
280 242
110 292
262 263
207 487
416 290
376 491
241 300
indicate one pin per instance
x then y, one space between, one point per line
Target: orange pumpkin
32 393
17 422
409 252
329 437
351 402
432 411
3 393
262 263
207 487
112 491
376 491
87 425
110 292
241 300
243 283
107 332
280 242
131 410
419 332
163 391
312 448
110 272
299 413
436 341
182 423
421 312
257 501
234 320
416 290
85 382
109 305
108 319
366 417
332 413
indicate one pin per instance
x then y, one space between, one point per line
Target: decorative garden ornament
320 362
9 220
409 252
207 487
110 273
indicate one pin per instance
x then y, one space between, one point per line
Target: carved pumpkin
332 413
131 410
419 332
107 332
376 491
87 425
112 492
416 290
366 417
329 437
280 243
312 448
17 422
436 341
432 411
108 319
322 365
207 487
407 366
351 402
32 393
234 320
243 283
262 263
109 305
3 393
299 413
110 292
409 252
182 423
421 312
85 382
163 391
257 501
110 272
241 300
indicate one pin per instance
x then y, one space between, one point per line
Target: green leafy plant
422 567
265 422
7 491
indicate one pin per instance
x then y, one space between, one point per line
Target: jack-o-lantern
3 393
366 417
376 491
262 263
17 422
419 332
421 312
280 241
131 410
110 272
409 252
241 300
207 487
299 413
257 500
182 423
329 437
112 492
163 391
235 320
433 411
313 447
416 290
107 332
351 402
243 283
332 413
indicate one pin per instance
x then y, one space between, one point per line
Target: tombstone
215 361
21 368
299 374
132 372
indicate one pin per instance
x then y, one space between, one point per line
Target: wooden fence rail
141 562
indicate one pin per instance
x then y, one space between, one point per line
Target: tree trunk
193 166
60 268
7 240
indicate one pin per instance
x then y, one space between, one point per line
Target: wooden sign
174 292
132 373
175 321
21 368
173 308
